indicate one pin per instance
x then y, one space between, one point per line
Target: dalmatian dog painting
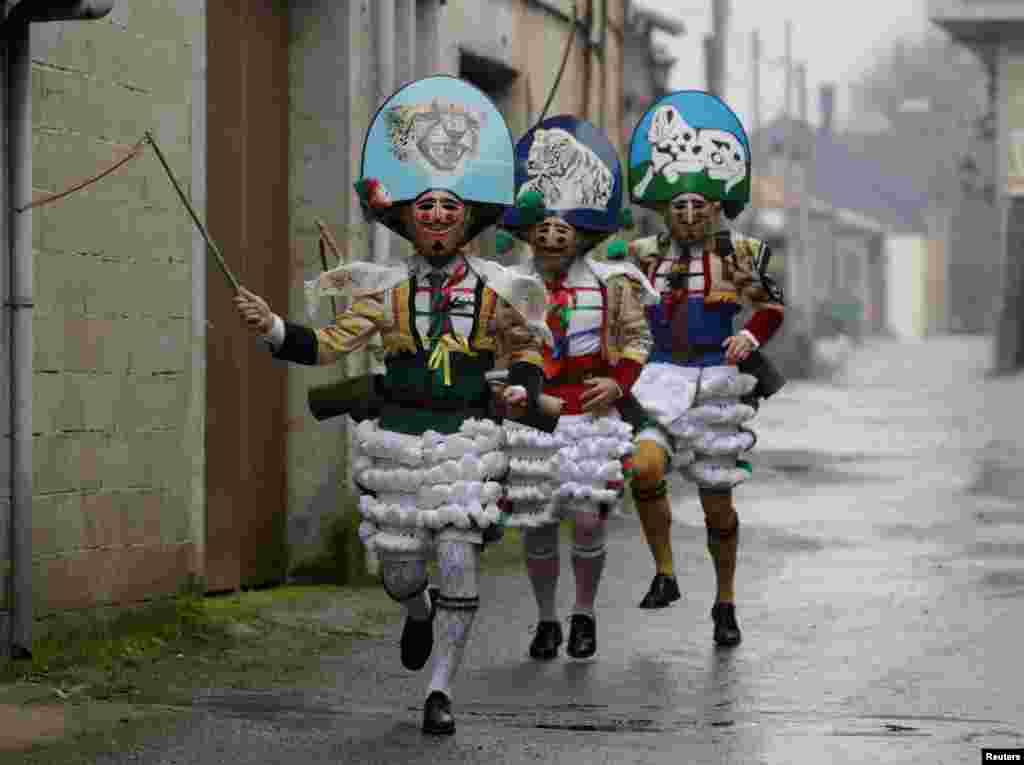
678 148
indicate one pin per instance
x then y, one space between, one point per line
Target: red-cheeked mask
438 223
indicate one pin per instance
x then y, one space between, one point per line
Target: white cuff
275 337
746 333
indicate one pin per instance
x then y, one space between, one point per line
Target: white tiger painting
568 173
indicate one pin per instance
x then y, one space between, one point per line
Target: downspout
19 304
18 87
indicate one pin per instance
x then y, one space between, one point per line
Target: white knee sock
456 608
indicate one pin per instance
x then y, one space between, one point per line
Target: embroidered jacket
596 313
473 319
711 284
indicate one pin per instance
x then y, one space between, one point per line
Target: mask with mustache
437 220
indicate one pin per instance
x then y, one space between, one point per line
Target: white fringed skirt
429 486
577 468
700 410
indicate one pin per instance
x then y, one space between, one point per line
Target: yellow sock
723 540
656 520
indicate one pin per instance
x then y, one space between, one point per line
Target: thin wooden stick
195 218
323 261
327 236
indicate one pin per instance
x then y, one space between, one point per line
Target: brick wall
114 513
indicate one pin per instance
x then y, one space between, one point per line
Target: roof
657 19
8 6
857 181
58 10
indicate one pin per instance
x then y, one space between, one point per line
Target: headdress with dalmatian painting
690 141
437 133
567 167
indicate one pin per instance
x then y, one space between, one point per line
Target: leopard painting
567 173
442 136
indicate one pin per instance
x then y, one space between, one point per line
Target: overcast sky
833 37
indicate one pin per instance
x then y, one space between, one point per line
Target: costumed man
568 200
690 161
437 168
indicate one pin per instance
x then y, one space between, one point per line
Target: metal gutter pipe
18 113
19 305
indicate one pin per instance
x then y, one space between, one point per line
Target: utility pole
802 165
755 82
798 267
714 48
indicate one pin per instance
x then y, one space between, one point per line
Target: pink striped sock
588 555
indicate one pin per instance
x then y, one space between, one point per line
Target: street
880 585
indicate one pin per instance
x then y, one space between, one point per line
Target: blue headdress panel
567 167
690 141
439 133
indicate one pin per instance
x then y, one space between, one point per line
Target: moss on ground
126 676
165 651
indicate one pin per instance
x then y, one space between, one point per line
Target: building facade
994 31
168 447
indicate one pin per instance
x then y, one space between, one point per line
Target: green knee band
659 490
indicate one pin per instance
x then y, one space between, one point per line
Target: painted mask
692 217
554 245
437 222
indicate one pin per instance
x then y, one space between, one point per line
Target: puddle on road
296 710
813 468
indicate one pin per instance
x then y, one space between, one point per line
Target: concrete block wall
332 98
114 512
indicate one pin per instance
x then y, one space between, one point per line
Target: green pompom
363 189
626 218
530 200
617 250
531 207
503 242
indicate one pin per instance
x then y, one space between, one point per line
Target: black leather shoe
547 640
418 636
437 715
582 637
664 591
727 631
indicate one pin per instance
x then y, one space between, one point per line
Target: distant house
858 207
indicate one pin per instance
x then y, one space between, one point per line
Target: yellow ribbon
441 356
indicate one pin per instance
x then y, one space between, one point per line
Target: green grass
162 653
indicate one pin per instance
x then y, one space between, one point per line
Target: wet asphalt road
880 590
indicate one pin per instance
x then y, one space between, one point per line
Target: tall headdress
690 141
567 167
437 133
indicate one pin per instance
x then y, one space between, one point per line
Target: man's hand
738 348
254 311
515 401
601 394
